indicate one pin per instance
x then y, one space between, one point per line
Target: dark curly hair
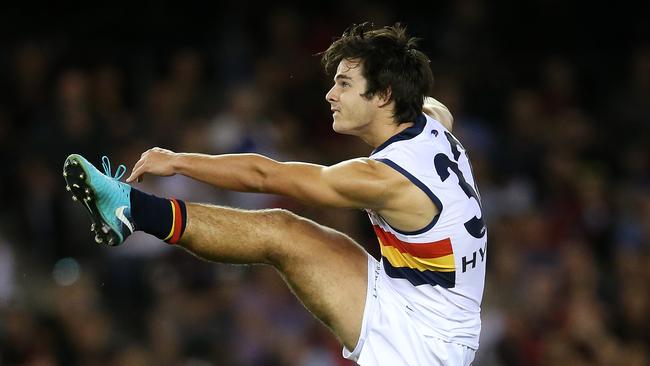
390 63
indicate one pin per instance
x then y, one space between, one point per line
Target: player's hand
156 161
439 111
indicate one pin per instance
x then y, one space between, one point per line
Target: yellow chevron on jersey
398 259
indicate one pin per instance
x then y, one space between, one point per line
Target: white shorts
389 336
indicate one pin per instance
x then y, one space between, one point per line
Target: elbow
262 177
259 183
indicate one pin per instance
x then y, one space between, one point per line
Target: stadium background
551 99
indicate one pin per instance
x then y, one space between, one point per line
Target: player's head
376 68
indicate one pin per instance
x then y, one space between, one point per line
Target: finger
136 174
131 176
137 166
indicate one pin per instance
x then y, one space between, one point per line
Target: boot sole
76 179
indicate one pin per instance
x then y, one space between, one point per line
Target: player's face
351 112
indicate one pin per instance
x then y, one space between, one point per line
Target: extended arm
358 183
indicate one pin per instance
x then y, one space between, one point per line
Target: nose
331 95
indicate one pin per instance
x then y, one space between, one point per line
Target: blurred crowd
553 107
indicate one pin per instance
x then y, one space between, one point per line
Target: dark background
551 99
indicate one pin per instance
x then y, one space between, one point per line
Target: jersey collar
407 134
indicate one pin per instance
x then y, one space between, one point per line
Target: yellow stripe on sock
171 232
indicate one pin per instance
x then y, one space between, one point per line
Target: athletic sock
160 217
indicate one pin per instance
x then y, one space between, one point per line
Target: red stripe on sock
177 223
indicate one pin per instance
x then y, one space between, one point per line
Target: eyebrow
341 76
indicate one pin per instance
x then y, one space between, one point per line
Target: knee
286 236
281 220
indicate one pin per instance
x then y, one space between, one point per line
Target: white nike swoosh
119 212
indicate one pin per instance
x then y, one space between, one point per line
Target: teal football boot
107 200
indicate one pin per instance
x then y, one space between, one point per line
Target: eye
345 84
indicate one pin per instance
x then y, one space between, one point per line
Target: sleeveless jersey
438 272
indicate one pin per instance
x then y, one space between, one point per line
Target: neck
381 131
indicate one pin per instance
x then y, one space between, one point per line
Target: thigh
328 272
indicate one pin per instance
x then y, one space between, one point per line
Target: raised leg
326 269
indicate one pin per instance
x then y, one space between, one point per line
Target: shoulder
362 168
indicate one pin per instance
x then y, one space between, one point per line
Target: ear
384 98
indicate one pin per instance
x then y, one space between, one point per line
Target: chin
344 128
335 125
338 128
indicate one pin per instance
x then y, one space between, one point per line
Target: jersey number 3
475 226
